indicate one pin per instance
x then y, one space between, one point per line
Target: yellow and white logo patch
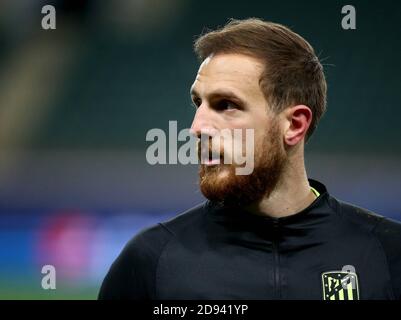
340 285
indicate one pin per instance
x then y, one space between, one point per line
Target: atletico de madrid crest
340 285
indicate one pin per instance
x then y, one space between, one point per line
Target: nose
202 122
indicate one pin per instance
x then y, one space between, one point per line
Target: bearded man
272 233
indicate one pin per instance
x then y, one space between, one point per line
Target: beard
220 183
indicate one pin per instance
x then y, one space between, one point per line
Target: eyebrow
221 93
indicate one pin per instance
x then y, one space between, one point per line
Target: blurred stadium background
76 103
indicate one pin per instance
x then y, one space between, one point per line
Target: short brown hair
293 74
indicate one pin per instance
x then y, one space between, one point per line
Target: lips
210 157
211 162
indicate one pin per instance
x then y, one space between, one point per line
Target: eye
226 105
196 102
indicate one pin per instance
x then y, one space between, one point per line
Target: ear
297 121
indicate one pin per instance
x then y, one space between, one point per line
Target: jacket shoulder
386 231
186 219
132 274
362 218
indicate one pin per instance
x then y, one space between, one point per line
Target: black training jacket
331 250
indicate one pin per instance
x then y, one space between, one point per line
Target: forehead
229 71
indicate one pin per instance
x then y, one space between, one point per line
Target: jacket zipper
277 286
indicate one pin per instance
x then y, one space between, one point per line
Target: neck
291 195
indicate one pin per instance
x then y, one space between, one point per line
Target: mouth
211 162
210 158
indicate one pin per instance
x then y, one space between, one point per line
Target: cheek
259 126
231 122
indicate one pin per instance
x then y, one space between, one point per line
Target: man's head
263 76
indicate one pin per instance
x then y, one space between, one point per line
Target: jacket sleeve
389 234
